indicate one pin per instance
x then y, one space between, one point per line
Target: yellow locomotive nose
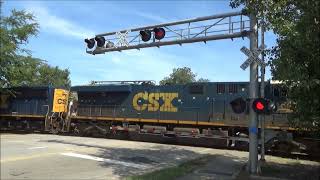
60 100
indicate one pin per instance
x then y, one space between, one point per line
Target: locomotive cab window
233 88
196 89
220 88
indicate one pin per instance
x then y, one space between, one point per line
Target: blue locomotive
205 112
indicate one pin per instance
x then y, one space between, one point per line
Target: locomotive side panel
199 103
27 101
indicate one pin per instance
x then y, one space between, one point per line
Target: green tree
203 80
15 31
53 76
295 58
18 67
181 76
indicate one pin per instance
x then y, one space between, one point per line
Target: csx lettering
151 101
62 101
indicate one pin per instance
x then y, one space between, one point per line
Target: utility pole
253 93
262 70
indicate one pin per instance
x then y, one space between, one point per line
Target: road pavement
43 156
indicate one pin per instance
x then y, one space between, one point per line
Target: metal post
262 70
253 92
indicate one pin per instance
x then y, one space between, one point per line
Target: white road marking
84 156
14 141
26 157
40 147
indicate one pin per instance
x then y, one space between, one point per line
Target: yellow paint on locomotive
4 101
153 102
60 100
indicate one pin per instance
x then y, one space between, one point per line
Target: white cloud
54 24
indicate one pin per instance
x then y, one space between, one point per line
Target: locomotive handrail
119 110
123 82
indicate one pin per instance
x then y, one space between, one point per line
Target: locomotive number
151 102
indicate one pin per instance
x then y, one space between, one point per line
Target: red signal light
159 33
259 105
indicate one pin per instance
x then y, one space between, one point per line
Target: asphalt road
44 156
39 156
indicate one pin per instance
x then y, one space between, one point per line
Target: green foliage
14 32
203 80
17 66
181 76
295 60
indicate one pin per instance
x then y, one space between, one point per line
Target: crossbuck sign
252 56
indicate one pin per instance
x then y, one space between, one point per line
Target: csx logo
62 101
150 101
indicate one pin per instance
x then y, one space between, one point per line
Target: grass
172 172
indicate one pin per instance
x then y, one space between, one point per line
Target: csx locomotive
214 111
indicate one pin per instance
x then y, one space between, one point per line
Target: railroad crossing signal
252 56
259 105
145 35
100 41
90 43
159 33
238 105
235 25
263 106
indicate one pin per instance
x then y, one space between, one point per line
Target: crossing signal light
238 105
260 105
90 43
100 41
159 33
145 35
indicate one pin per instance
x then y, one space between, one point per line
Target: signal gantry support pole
262 117
253 93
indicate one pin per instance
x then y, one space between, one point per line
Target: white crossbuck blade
252 56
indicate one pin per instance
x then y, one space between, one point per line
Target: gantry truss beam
201 29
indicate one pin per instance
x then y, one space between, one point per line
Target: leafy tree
15 31
203 80
17 66
53 76
181 76
295 58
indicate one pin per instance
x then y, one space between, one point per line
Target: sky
64 24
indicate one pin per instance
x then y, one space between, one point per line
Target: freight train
207 112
